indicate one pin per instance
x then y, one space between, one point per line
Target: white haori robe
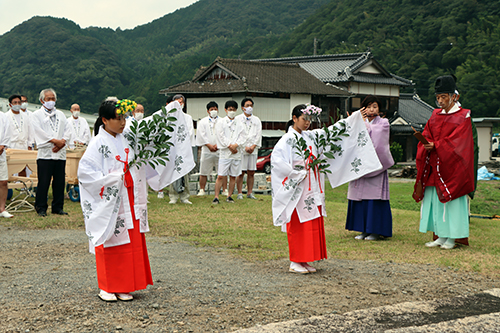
253 132
190 128
47 126
20 130
80 131
104 198
293 187
229 132
181 160
205 134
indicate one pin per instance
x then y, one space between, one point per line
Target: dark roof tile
252 76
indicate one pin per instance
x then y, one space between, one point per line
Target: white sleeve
201 133
41 137
86 132
285 181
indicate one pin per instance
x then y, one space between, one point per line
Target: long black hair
107 110
297 112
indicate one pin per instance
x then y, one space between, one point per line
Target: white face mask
24 105
16 108
213 114
76 114
139 116
249 110
231 114
49 105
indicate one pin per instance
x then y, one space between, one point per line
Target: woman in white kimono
298 191
114 203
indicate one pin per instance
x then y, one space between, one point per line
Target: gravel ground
48 284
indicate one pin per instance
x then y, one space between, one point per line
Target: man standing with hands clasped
447 168
253 141
230 138
51 133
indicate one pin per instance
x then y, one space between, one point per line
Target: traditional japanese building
274 87
359 73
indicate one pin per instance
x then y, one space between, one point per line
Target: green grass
246 230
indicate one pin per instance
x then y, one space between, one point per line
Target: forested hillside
418 40
86 65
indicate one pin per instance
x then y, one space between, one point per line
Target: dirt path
48 284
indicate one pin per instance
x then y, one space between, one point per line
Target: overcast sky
125 14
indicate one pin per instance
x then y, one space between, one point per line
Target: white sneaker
172 202
108 297
161 195
6 214
225 192
240 196
124 297
187 202
251 196
201 193
295 267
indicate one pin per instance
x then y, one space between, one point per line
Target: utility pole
315 45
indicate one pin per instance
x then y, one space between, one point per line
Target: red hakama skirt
306 241
125 268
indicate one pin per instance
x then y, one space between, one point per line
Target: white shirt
228 132
47 126
5 134
20 130
253 132
80 131
205 133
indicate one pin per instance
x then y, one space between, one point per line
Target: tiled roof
414 111
259 77
337 68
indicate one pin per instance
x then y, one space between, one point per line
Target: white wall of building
374 89
484 134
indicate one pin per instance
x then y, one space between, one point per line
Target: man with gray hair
51 132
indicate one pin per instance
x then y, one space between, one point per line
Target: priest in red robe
447 166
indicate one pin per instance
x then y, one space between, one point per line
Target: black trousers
48 170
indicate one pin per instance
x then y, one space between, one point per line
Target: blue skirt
370 216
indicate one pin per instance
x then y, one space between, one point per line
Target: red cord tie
310 159
102 191
125 168
284 181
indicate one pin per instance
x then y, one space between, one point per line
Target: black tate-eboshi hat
445 84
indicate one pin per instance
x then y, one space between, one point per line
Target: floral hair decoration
312 110
124 106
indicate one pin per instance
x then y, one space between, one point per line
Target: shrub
396 152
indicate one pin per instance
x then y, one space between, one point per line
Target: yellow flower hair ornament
124 106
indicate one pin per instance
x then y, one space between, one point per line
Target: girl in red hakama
345 151
114 200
